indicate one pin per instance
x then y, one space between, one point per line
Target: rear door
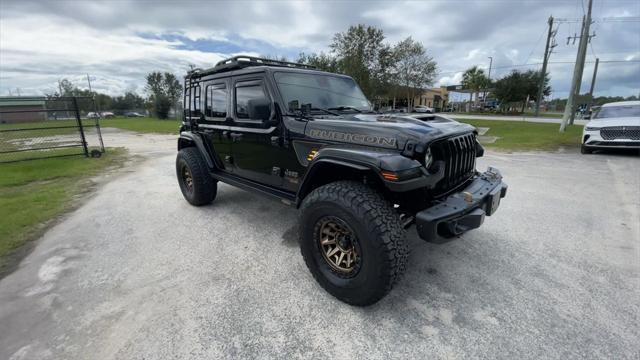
214 120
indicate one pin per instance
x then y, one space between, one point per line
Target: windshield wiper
300 114
343 108
327 111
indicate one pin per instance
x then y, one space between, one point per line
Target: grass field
527 114
35 192
523 136
143 125
513 135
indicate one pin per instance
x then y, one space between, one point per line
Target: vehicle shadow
440 283
618 152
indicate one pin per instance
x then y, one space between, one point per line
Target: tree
474 79
413 69
67 88
130 101
164 92
361 53
518 86
321 61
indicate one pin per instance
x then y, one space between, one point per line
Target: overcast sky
118 42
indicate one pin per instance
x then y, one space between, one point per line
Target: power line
539 63
536 45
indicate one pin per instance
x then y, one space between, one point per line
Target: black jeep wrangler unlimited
360 178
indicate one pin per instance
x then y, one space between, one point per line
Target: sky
118 42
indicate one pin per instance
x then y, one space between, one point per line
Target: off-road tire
203 188
585 150
379 232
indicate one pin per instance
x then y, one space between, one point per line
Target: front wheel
352 241
585 150
196 184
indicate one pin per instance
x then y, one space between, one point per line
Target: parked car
93 115
133 114
614 125
107 114
358 177
491 105
423 109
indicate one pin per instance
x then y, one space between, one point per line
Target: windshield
618 111
321 91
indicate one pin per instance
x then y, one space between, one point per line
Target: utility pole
89 81
569 110
60 87
593 82
543 73
488 77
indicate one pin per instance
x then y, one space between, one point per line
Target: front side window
246 93
320 90
216 102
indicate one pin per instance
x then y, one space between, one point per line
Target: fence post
84 141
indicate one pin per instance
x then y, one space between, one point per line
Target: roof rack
244 61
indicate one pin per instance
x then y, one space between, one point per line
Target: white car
613 126
423 109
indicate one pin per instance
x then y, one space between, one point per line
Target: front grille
620 132
459 156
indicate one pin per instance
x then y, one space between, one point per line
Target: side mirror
259 109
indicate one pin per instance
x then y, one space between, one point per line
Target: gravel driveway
138 273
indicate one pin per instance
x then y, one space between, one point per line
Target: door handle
235 136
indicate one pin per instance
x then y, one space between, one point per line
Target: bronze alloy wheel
338 245
187 179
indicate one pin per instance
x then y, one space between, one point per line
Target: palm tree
474 79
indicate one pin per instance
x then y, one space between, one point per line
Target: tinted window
618 111
216 103
243 95
196 99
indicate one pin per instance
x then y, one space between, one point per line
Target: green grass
144 125
527 114
524 136
34 192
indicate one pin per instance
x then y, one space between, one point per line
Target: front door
255 144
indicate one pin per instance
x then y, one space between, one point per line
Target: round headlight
428 158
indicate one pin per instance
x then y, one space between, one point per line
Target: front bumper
593 139
464 210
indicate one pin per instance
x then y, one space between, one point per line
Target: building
436 98
15 109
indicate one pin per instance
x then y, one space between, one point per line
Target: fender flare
188 139
368 161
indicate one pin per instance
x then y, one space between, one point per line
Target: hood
621 121
384 130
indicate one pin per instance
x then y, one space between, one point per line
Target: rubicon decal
388 142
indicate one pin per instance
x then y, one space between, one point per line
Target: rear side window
243 95
216 102
195 92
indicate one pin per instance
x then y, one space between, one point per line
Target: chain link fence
38 127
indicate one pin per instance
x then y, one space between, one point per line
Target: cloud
119 42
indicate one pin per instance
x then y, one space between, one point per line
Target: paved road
138 273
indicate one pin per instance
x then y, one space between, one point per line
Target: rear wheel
196 184
352 241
